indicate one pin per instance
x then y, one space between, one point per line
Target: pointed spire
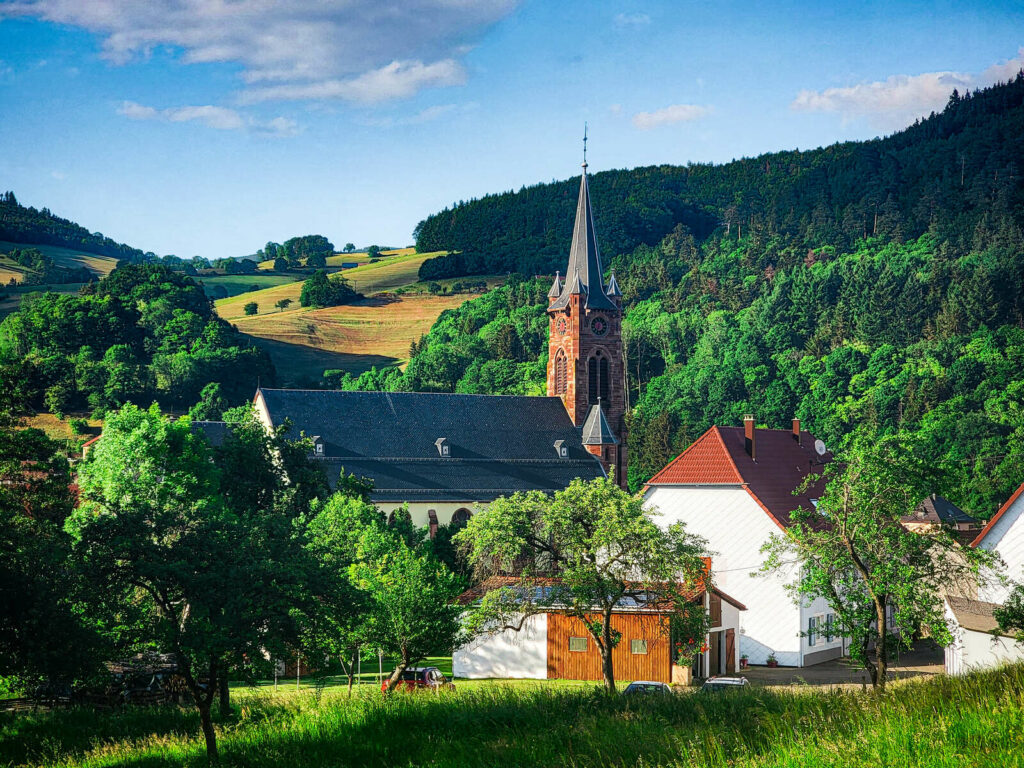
612 288
574 286
556 287
584 255
596 430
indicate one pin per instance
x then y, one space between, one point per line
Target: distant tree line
27 225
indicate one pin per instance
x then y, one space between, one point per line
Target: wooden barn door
730 651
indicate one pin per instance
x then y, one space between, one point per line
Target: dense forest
142 333
949 172
19 224
876 284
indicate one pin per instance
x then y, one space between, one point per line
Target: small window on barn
638 646
578 644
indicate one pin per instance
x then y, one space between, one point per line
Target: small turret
613 287
556 287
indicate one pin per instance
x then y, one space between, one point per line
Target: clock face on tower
599 326
561 326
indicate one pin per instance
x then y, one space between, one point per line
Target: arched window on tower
598 379
560 373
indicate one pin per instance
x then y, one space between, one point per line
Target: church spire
584 255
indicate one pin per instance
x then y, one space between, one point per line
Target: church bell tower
585 353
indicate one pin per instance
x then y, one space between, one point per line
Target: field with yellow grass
62 257
377 331
360 257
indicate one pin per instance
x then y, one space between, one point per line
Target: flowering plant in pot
744 661
772 661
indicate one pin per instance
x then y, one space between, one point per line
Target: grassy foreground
973 721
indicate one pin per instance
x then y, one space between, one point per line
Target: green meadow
972 721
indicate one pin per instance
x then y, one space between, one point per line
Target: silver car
719 684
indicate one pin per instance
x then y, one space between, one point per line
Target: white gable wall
736 528
522 654
1007 539
972 650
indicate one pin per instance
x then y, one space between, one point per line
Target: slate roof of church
596 430
584 274
938 509
719 457
497 444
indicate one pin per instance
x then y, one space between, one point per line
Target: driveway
924 659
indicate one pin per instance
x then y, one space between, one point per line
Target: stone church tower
585 354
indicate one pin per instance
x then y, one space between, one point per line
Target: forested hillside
949 173
20 224
873 285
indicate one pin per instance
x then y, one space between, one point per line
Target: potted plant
744 661
772 661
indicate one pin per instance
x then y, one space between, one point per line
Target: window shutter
812 625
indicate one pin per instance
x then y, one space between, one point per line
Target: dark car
720 684
646 688
421 678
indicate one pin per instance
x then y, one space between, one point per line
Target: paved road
925 659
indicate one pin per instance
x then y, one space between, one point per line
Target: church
445 454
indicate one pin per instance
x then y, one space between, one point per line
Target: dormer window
561 449
443 447
318 445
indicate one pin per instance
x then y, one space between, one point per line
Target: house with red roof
1004 535
735 486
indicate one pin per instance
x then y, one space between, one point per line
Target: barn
556 645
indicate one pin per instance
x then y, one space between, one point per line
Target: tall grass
973 721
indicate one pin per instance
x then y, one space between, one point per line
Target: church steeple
584 255
585 354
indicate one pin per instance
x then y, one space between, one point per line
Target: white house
734 486
1004 535
977 643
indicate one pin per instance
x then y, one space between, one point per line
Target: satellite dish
819 446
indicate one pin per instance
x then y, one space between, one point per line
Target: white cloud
676 113
220 118
427 115
900 99
363 50
397 80
625 20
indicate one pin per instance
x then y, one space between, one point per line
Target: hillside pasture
304 342
241 284
940 723
101 266
388 274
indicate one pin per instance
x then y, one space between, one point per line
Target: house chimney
748 435
796 430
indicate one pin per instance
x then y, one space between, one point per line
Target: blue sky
210 127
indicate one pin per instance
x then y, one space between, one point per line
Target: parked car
416 678
719 684
646 688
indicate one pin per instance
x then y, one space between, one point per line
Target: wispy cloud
220 118
397 80
428 115
898 100
359 50
676 113
627 20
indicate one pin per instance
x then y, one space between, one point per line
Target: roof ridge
421 394
995 518
728 454
677 459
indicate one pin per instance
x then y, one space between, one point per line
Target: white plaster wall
736 528
1007 539
817 607
522 654
982 651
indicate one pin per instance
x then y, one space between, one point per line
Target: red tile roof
997 515
719 457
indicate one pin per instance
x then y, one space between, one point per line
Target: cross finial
584 144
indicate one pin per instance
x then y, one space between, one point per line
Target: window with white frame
814 624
